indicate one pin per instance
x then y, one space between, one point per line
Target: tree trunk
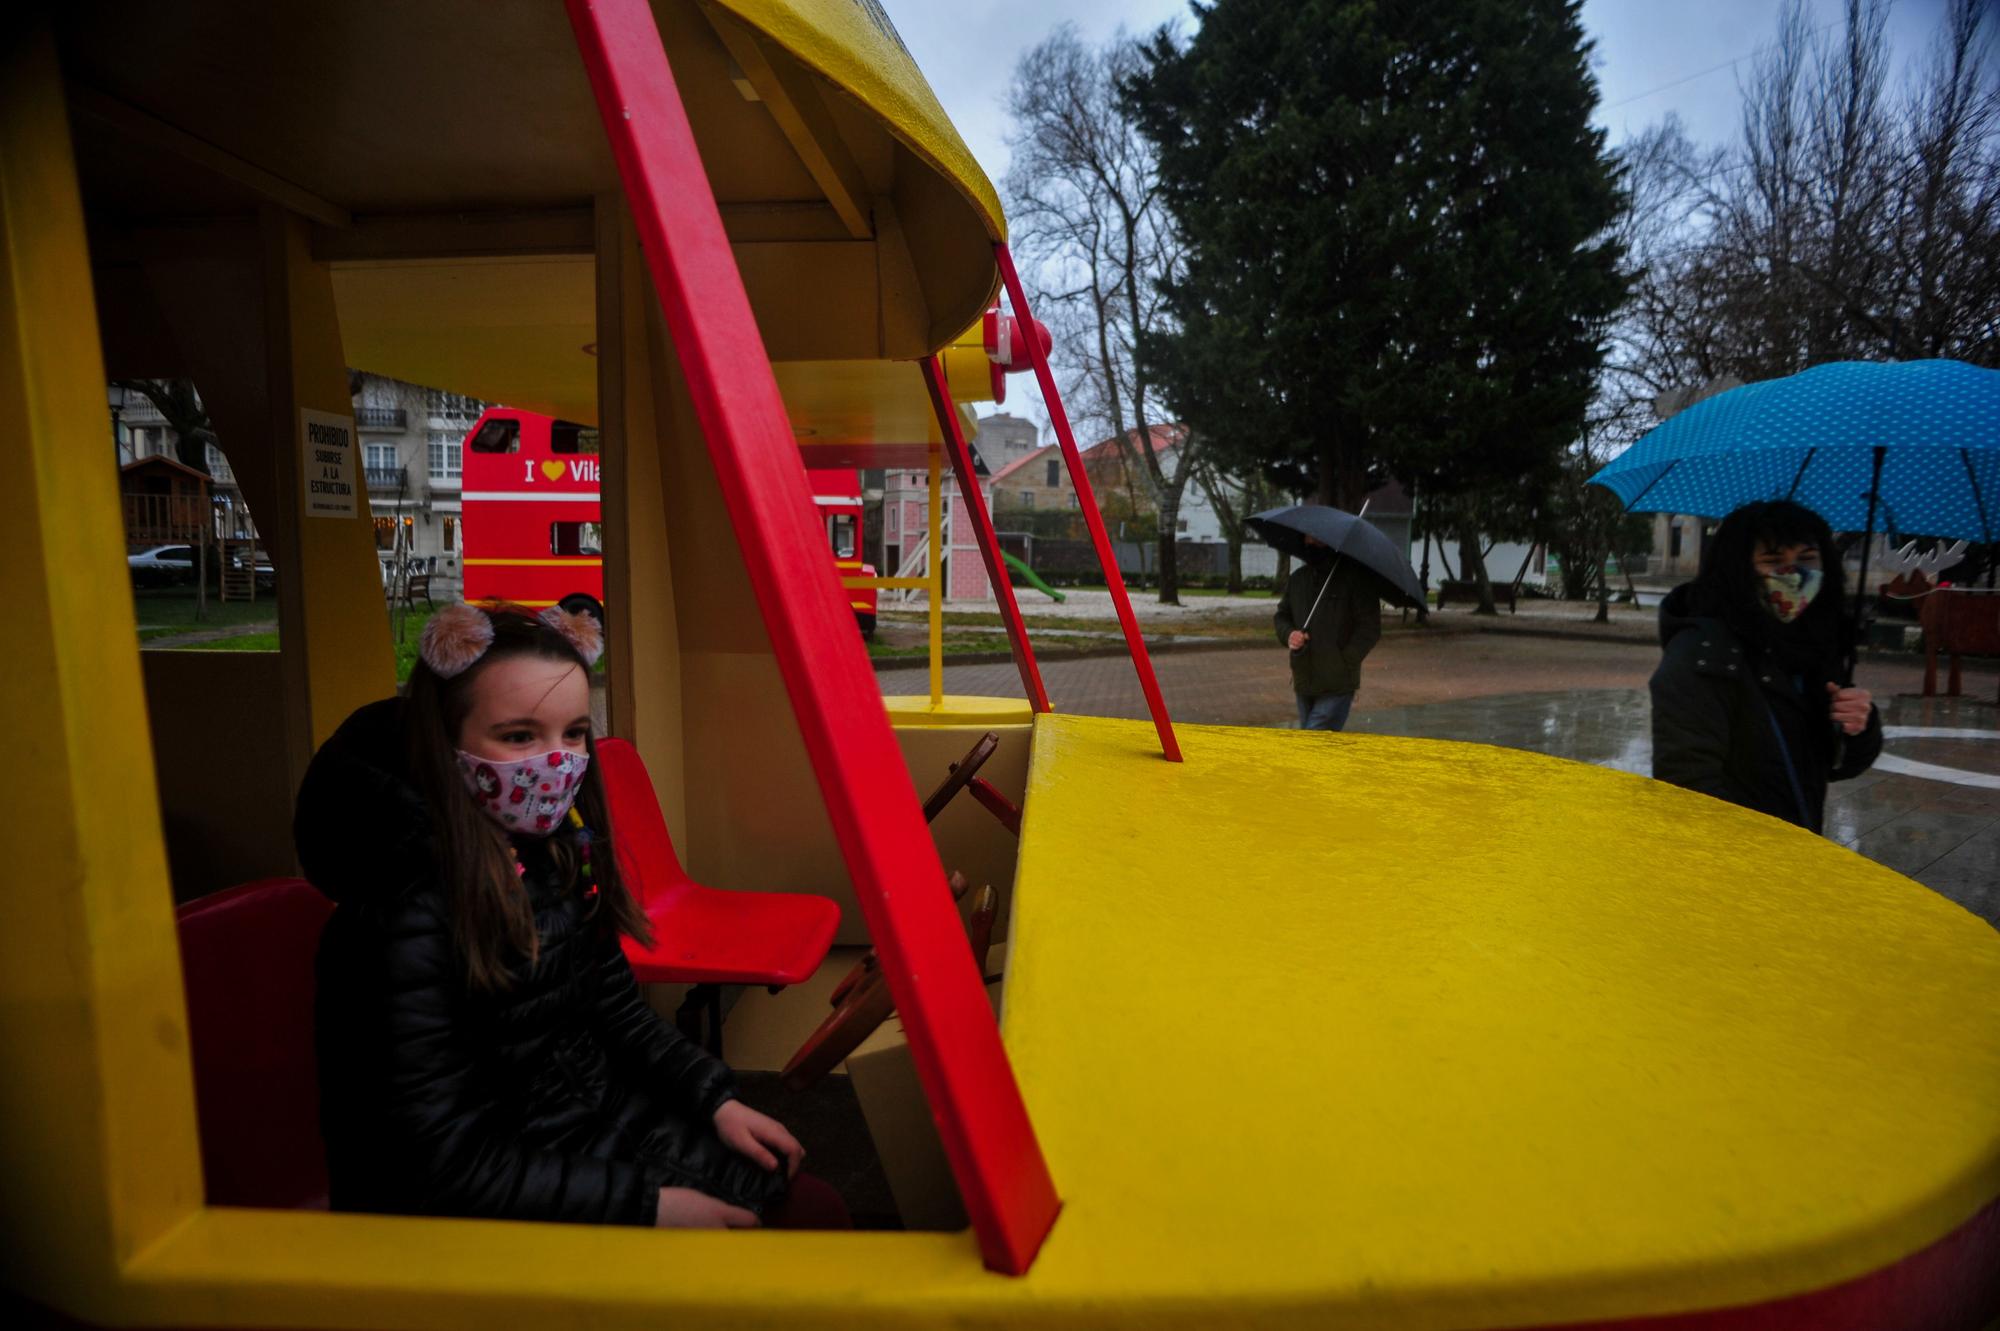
1424 581
1170 560
1603 615
1282 576
1473 562
1170 569
1341 483
1521 574
1444 559
1228 514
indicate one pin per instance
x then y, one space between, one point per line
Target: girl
1751 702
483 1047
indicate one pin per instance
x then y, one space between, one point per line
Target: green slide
1033 581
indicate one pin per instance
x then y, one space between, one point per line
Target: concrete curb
1057 652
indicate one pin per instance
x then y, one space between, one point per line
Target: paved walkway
1930 809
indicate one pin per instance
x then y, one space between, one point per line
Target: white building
412 440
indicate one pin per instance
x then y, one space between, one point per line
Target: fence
1072 561
156 519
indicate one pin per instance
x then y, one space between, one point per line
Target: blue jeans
1324 711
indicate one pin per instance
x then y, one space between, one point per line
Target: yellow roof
451 156
852 44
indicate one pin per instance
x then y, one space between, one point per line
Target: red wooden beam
1066 439
870 801
982 527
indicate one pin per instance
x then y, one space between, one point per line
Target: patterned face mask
1788 591
528 796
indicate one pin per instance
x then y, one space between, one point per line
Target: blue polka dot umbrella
1911 447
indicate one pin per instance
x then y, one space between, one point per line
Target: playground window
576 538
569 437
842 525
498 436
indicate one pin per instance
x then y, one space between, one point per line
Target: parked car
162 566
267 573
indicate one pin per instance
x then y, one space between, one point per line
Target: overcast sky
1651 58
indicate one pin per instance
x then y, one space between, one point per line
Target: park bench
406 585
1451 589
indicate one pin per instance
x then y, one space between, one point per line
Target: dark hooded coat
1738 716
1343 630
562 1098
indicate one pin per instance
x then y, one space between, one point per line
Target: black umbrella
1349 537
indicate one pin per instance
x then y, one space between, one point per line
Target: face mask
1789 591
529 796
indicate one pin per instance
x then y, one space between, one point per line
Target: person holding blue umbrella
1752 702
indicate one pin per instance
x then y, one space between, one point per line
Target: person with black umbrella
1330 615
1329 618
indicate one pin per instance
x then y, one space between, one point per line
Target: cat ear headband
458 635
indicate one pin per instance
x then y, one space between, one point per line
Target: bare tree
1943 229
1846 223
177 401
1083 198
1856 217
1234 497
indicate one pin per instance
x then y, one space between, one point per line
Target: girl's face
527 705
1771 559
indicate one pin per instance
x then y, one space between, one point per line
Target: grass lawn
242 642
171 610
412 622
1220 591
955 644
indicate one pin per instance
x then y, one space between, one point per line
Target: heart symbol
552 470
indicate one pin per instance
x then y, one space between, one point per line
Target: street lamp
117 396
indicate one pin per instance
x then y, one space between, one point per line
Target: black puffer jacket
562 1098
1720 706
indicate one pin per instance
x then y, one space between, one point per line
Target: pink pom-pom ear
455 638
582 630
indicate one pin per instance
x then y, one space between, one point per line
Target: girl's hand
756 1135
685 1208
1849 708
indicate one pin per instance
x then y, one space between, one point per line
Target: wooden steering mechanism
861 1001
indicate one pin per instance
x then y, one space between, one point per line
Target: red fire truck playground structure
534 516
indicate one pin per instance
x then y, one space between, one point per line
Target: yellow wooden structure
1621 1051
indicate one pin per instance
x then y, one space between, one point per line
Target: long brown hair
491 916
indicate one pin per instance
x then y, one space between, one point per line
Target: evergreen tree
1396 215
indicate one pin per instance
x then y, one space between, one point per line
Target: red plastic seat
703 935
247 966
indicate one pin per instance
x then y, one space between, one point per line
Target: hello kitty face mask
1789 590
527 796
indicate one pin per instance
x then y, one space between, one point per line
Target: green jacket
1346 626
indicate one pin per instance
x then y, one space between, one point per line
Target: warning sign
327 442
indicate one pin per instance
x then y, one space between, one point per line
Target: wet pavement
1929 809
